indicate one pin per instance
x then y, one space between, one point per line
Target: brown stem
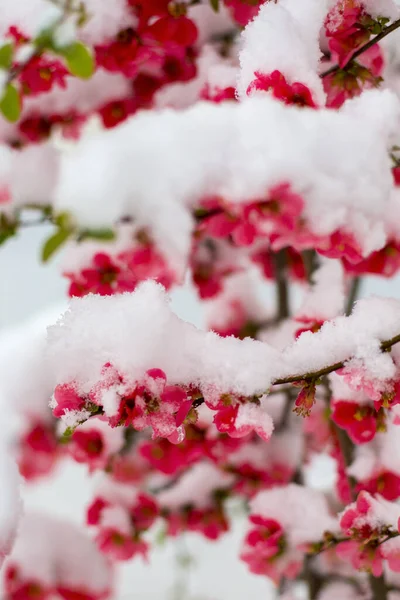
314 581
378 587
310 261
346 446
282 290
353 294
365 47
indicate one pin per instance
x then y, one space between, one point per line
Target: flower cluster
348 27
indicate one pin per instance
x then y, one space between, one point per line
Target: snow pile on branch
285 37
382 8
302 512
141 332
237 152
136 332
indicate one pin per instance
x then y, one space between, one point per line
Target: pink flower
362 523
341 244
144 512
384 262
66 398
238 417
210 522
265 544
119 546
305 399
38 451
155 404
5 195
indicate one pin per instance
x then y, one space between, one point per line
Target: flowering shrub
231 146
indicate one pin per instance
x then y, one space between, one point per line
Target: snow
285 37
326 297
138 331
106 18
10 503
236 151
196 487
56 552
141 332
382 8
213 70
21 351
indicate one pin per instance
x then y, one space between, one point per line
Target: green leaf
215 5
54 243
79 60
63 220
6 53
44 39
10 104
8 228
97 234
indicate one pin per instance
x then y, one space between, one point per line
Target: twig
353 294
378 587
282 290
395 25
315 375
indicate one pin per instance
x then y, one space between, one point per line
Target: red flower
295 93
386 483
41 74
115 112
120 546
38 451
359 421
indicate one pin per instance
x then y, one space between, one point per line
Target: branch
378 587
365 47
353 294
315 375
282 290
